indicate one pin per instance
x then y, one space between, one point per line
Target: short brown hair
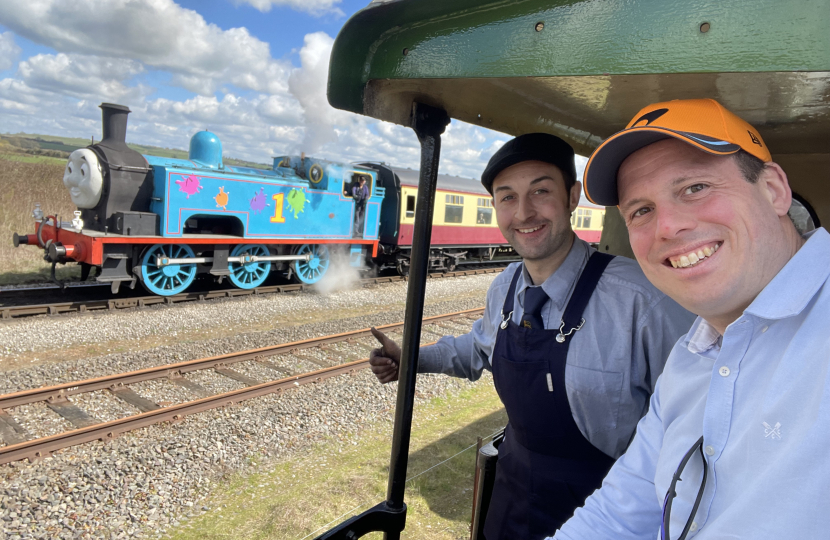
751 167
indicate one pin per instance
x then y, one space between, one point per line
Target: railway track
111 304
247 370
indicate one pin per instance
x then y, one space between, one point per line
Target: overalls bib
546 468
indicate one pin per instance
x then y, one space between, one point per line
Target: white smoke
308 86
341 275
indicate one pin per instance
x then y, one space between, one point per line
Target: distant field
27 158
24 145
25 183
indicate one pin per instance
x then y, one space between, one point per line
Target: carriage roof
446 182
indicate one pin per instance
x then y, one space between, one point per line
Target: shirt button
764 329
693 526
724 371
710 451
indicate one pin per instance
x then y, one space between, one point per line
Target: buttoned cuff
430 360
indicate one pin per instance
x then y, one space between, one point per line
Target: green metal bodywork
594 64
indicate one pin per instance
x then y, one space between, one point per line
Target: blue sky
252 71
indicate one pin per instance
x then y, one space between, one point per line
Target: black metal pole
429 123
390 516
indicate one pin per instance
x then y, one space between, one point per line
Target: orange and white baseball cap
703 123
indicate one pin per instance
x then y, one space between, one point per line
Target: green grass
295 498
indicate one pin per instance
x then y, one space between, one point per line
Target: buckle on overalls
505 320
560 337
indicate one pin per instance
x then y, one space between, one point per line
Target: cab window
348 187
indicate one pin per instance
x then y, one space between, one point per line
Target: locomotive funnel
115 125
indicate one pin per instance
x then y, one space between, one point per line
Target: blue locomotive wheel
169 279
313 270
248 275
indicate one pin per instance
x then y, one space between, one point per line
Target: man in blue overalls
575 339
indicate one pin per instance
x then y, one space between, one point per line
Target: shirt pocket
594 396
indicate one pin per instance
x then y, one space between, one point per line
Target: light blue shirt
613 361
760 396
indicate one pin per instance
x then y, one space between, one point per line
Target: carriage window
454 209
582 218
410 206
484 215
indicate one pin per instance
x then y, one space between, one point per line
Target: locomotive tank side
191 198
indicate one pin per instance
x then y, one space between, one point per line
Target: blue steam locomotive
162 221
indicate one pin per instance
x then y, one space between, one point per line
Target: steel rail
83 306
43 447
60 392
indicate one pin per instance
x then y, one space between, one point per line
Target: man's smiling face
533 209
701 233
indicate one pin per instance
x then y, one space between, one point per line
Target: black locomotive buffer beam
390 516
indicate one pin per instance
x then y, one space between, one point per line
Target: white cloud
160 34
99 58
308 86
336 134
83 76
9 50
314 7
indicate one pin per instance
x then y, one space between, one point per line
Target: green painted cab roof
581 69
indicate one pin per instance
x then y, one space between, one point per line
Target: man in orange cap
736 438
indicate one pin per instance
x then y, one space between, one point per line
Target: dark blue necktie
535 298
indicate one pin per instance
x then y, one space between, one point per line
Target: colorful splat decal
296 201
189 184
258 203
222 198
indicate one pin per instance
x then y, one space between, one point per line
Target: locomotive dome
206 149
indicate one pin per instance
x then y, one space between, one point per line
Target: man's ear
576 191
776 187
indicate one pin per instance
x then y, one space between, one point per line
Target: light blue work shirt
760 396
613 361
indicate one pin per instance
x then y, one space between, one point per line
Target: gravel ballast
143 482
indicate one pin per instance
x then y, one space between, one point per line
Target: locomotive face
83 178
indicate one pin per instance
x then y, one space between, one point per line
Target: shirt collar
797 283
786 295
561 283
703 337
